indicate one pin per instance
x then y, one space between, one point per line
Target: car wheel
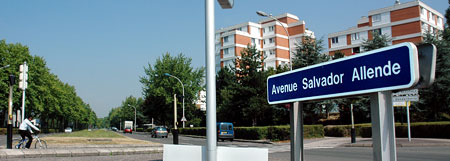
231 140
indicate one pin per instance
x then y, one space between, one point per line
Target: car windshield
161 129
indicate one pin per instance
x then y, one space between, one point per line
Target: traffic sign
183 119
390 68
405 98
401 104
406 92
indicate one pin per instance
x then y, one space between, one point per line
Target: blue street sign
389 68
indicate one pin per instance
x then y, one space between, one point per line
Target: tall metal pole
135 119
407 119
24 89
383 127
184 118
10 117
175 130
211 138
353 132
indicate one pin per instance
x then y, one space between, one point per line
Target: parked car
114 129
128 130
68 130
225 130
159 132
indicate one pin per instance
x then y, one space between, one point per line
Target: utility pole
10 116
175 130
23 85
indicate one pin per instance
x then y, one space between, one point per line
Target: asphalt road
280 151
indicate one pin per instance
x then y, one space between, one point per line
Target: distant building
402 22
268 36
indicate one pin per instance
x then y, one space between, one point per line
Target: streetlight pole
263 14
6 66
134 116
184 118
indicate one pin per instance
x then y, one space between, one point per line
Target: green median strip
91 134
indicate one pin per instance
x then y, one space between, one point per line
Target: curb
399 145
42 153
238 140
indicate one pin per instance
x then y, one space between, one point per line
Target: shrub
418 130
251 133
274 133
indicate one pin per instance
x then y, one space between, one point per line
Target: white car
68 130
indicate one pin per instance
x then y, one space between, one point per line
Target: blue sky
102 46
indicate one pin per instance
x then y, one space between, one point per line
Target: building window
376 18
253 41
271 40
225 39
356 50
355 36
334 40
272 52
271 28
376 31
225 51
264 30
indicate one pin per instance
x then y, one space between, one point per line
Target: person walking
25 130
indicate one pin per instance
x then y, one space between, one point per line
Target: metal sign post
407 120
406 97
383 127
296 136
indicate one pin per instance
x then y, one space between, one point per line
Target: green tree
435 100
337 55
309 52
48 98
378 41
158 89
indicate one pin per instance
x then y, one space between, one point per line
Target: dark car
128 130
159 132
114 129
225 130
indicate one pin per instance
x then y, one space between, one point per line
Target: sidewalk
402 142
88 150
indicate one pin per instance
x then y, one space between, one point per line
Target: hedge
418 130
262 133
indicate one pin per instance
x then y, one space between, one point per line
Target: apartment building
402 22
267 35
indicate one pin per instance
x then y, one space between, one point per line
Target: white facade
260 34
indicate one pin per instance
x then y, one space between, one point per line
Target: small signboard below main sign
405 98
390 68
406 92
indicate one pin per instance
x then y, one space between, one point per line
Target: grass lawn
91 134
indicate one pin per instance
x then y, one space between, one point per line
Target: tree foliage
158 89
56 103
308 52
435 100
378 41
241 92
125 112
